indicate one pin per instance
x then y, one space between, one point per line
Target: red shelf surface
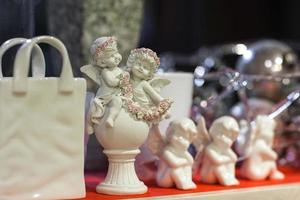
92 179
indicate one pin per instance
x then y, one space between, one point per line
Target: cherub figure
260 163
218 160
175 162
105 72
142 64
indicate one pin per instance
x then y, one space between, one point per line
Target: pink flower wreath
152 115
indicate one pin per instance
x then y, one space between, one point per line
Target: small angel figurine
175 162
218 159
261 161
142 64
105 72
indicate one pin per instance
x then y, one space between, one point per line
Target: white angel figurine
217 159
105 72
175 162
260 163
142 64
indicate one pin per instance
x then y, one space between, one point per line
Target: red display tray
289 187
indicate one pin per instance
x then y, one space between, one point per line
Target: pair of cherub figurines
134 85
214 159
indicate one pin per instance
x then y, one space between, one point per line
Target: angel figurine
142 64
218 160
104 71
260 164
175 162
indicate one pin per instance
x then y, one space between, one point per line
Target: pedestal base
113 189
121 178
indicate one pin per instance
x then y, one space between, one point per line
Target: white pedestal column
121 178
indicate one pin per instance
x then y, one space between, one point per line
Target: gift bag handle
21 65
38 60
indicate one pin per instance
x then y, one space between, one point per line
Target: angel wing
247 135
202 140
92 72
155 141
159 83
242 138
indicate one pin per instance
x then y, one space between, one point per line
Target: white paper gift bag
41 130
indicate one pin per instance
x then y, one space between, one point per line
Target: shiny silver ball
268 57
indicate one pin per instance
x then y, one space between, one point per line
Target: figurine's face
180 141
111 59
224 131
222 140
142 70
226 138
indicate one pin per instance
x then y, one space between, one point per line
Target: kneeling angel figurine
175 162
214 151
260 164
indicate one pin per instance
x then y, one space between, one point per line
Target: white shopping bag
41 131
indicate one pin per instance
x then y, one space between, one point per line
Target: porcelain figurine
129 129
217 159
142 64
106 58
261 162
175 162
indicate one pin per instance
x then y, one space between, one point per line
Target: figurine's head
224 131
265 128
180 133
143 63
105 53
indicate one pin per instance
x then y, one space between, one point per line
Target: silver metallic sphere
268 57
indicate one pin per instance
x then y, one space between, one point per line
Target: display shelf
287 189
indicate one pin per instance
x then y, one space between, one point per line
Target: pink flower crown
101 48
149 52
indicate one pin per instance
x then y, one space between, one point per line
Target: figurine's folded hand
181 162
218 158
226 159
173 160
232 155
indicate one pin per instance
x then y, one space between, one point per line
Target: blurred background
199 36
168 26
